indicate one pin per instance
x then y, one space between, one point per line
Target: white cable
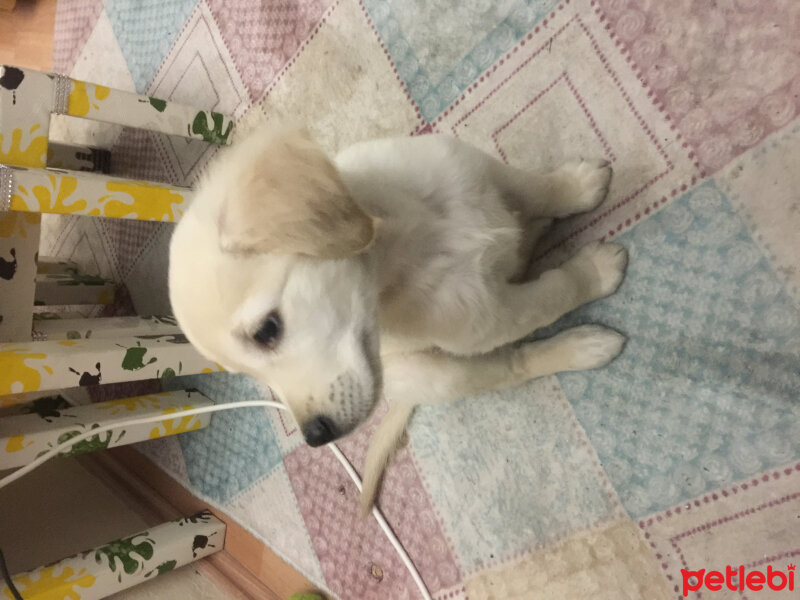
127 423
387 530
401 552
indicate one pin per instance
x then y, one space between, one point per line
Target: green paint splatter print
134 358
124 551
88 445
214 135
159 105
164 567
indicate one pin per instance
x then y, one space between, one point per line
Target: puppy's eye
270 331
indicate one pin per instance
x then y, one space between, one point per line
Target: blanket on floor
683 454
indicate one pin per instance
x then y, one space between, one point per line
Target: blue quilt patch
707 390
145 33
508 471
238 448
439 48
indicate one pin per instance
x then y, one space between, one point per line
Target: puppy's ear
288 197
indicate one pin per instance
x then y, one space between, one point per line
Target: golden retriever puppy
393 267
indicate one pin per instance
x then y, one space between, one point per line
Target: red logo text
738 579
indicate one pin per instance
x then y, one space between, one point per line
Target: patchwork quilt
682 455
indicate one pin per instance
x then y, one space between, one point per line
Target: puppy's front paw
591 346
603 264
586 183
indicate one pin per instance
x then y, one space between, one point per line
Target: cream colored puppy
394 267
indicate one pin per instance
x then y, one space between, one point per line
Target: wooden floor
26 40
255 571
26 34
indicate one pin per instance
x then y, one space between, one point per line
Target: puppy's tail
381 450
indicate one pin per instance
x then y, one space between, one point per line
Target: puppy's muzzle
319 431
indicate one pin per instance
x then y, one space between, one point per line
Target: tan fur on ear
288 197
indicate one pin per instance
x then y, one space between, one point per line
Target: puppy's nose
320 430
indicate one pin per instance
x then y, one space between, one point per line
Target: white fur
438 286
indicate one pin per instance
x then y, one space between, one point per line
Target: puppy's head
268 277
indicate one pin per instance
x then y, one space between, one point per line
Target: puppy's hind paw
586 184
604 264
591 346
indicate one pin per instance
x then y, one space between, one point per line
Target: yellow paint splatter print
15 223
52 199
49 586
176 426
149 202
79 103
15 375
130 404
34 155
17 443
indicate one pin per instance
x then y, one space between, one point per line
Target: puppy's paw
591 346
585 184
603 265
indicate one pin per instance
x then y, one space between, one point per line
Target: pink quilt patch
750 526
728 73
263 36
357 559
75 20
